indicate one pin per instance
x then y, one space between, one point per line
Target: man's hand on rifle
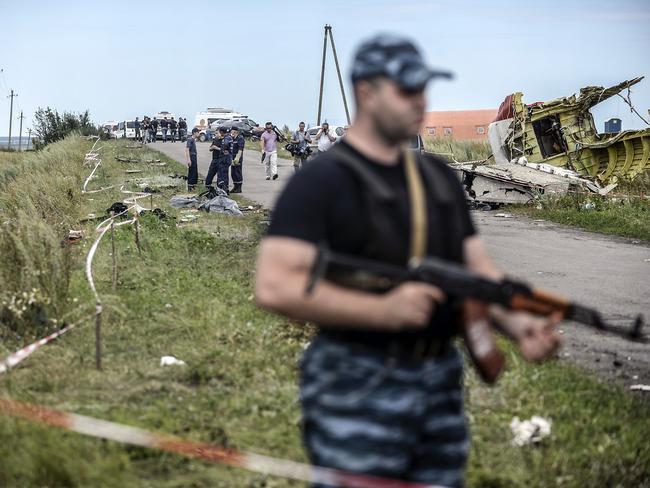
536 337
410 305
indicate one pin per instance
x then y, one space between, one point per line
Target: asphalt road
609 273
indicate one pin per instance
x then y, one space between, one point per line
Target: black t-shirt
324 202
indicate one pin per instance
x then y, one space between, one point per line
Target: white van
110 128
161 116
125 129
213 116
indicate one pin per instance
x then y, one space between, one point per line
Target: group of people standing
146 130
227 150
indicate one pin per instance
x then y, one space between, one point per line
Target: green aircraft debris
562 133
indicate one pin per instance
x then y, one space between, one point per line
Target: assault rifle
461 284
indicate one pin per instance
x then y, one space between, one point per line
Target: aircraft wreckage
554 147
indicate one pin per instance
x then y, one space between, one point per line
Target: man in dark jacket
381 381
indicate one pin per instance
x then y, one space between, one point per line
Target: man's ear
364 91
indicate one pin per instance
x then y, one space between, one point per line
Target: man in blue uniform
172 128
215 149
153 130
190 153
236 169
164 126
225 160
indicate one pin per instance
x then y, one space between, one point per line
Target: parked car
247 127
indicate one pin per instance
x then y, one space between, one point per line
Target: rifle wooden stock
477 332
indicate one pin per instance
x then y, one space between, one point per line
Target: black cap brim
417 78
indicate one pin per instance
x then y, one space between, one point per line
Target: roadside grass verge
627 216
189 294
40 194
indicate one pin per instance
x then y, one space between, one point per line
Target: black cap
234 127
195 130
397 59
223 129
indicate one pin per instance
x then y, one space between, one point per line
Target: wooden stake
137 235
114 255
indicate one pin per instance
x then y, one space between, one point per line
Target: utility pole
29 137
20 134
338 72
322 75
11 114
328 32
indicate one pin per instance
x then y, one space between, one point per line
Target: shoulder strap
380 189
419 214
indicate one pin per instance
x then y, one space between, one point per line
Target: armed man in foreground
381 382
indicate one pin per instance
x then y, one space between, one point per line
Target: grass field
625 213
189 294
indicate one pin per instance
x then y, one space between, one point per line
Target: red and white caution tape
126 434
22 354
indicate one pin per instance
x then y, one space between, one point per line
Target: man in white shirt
325 138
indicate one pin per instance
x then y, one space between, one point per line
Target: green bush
50 127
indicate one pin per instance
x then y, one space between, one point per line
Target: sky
121 59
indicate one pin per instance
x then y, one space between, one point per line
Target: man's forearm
328 304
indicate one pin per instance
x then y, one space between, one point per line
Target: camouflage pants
367 412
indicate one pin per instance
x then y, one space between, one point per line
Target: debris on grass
531 431
221 204
171 361
74 237
184 201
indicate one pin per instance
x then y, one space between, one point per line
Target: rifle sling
418 200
